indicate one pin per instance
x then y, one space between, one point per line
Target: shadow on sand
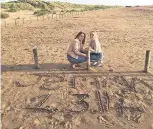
64 68
31 67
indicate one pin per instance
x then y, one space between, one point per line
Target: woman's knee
70 59
82 59
101 56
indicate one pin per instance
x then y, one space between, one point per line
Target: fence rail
23 20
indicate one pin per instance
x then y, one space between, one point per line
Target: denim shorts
81 59
96 57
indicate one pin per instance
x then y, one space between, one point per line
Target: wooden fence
56 15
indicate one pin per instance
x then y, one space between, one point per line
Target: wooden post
36 58
30 20
60 15
88 62
48 17
15 21
5 23
56 15
23 20
147 61
43 18
37 18
52 15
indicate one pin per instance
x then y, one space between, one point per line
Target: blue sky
107 2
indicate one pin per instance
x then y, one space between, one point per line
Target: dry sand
32 99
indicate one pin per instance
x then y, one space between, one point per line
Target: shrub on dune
25 6
41 12
5 5
4 15
14 8
50 5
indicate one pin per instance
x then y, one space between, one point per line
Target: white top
95 45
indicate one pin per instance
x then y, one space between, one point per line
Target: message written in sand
120 95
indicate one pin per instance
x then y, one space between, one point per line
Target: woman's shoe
94 63
99 64
72 66
77 65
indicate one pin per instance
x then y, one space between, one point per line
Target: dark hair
83 42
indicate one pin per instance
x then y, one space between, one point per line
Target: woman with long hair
75 53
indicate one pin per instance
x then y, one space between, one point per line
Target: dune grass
40 7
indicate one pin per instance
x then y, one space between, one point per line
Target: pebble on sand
23 127
37 122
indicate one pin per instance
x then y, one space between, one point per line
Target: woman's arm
92 46
76 50
92 50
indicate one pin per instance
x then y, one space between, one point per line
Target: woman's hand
92 50
86 49
84 55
